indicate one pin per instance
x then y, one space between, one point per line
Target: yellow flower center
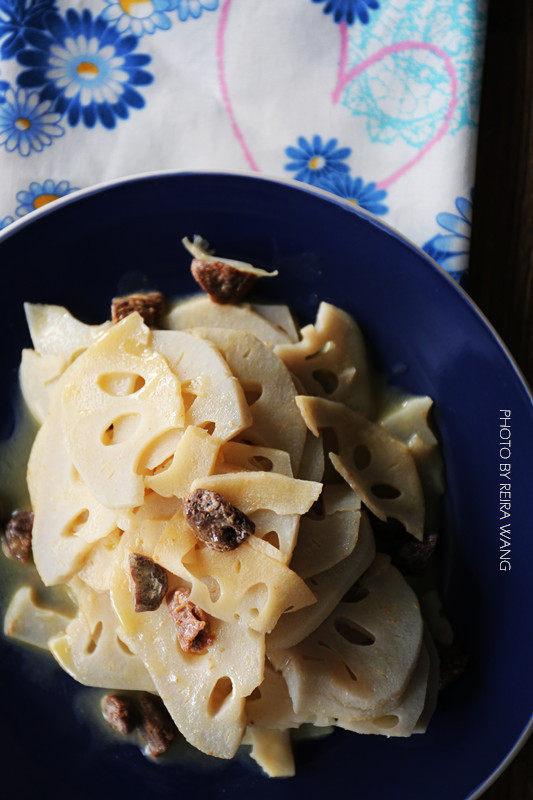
140 9
87 69
43 199
352 201
22 124
317 162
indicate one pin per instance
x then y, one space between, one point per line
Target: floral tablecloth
374 100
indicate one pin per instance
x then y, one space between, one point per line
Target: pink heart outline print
343 79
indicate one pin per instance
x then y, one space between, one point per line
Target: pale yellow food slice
247 584
362 657
213 395
312 463
378 467
204 693
106 433
93 650
251 491
68 519
270 705
260 372
30 622
38 377
272 749
279 530
331 361
328 587
409 424
280 315
324 542
201 312
54 331
194 458
402 720
236 456
98 566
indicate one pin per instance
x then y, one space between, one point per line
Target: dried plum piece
407 553
155 725
412 556
120 712
17 536
222 282
192 623
150 582
150 305
453 663
215 521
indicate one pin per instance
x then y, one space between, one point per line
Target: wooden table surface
501 267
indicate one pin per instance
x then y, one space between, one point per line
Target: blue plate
427 337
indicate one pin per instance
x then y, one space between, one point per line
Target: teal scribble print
406 94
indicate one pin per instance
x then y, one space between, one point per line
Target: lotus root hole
385 491
120 384
327 379
389 721
353 633
361 456
355 594
262 463
220 693
213 587
77 523
121 429
272 538
91 646
252 392
123 646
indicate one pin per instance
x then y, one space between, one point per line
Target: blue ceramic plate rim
387 229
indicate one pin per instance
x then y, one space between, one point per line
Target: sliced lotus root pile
363 655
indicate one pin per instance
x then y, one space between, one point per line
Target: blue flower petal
89 115
133 98
453 223
31 77
139 77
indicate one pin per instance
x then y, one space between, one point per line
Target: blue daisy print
5 222
86 67
16 16
450 248
194 8
138 16
39 194
349 10
26 123
368 196
315 161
